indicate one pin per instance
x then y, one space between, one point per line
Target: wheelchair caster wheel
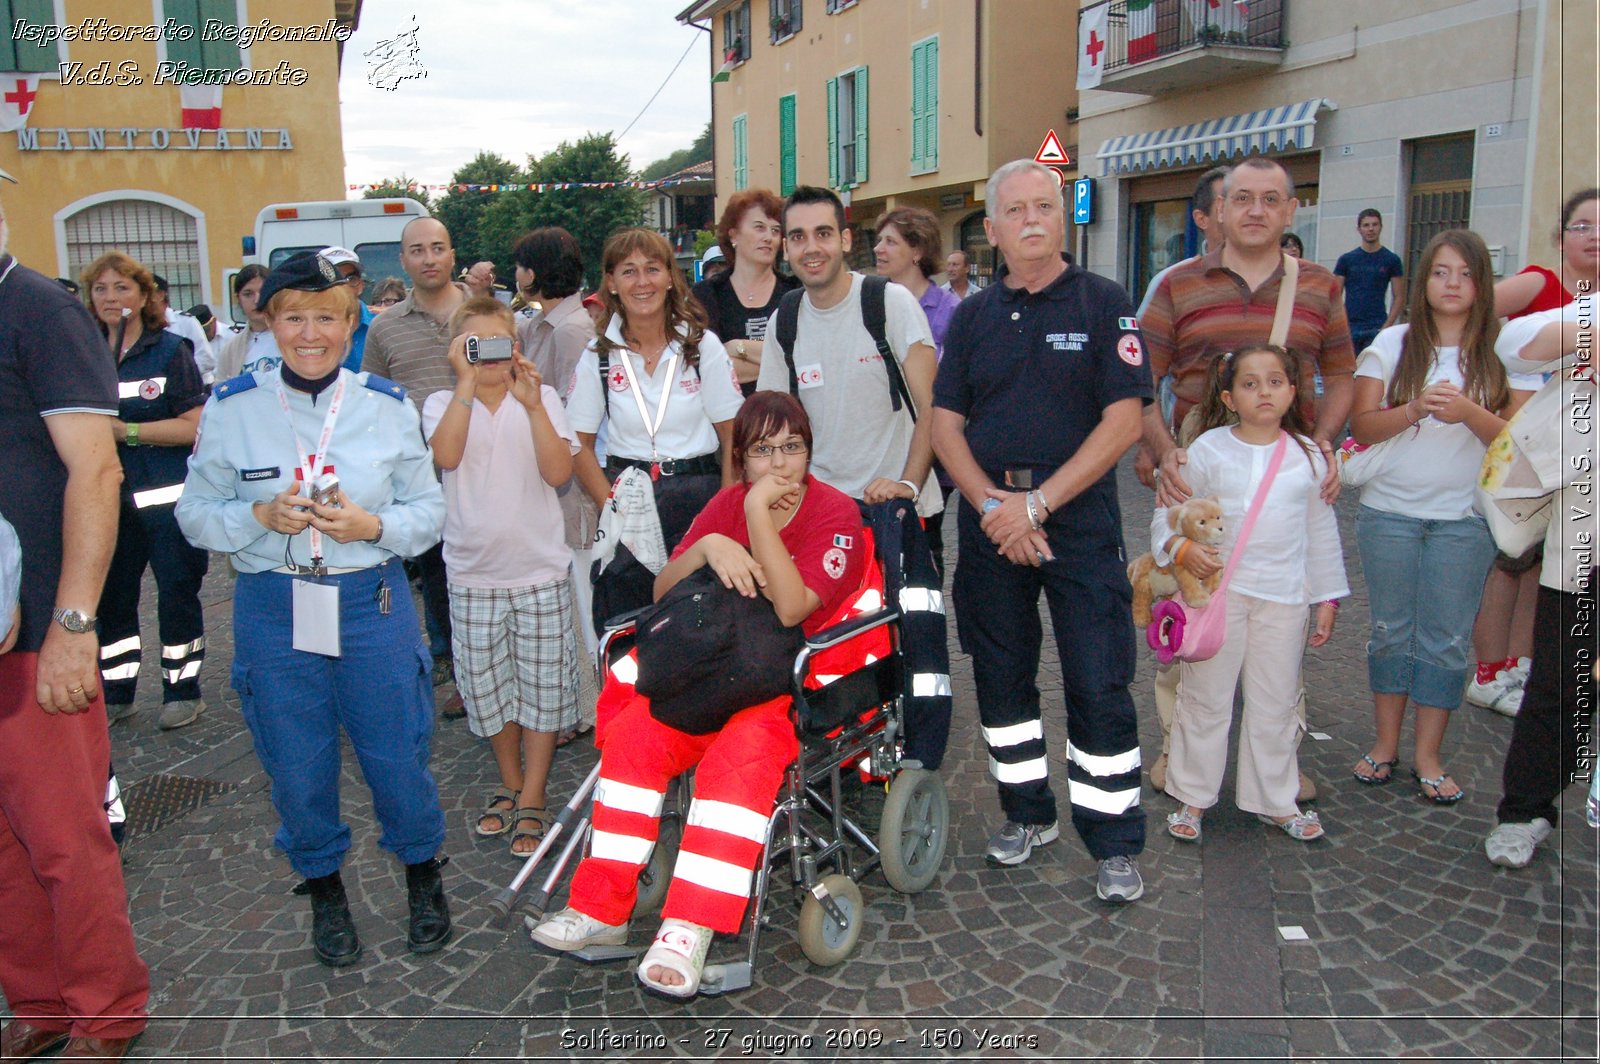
656 875
822 938
914 830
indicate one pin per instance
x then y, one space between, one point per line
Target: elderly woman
660 381
160 395
793 540
739 301
325 634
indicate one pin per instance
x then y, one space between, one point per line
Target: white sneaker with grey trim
1014 842
1512 845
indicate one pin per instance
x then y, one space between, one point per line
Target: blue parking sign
1083 201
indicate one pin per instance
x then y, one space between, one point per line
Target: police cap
305 271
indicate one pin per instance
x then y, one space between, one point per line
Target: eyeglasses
388 301
1581 228
766 450
1244 200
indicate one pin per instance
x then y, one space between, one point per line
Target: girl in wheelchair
779 534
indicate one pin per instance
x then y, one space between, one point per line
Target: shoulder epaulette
234 385
384 385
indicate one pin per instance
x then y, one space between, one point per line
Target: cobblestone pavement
1415 945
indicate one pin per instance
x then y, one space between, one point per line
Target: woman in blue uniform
159 397
325 634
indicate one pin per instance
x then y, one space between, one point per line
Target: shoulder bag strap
1255 510
875 316
1286 291
787 325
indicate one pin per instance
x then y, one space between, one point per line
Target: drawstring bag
1180 633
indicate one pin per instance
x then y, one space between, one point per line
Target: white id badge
316 618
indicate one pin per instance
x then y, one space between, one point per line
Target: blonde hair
339 297
482 307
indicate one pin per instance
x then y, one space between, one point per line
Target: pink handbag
1183 633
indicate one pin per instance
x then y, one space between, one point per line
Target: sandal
1183 818
1303 826
679 947
539 815
1437 783
573 734
493 809
1375 780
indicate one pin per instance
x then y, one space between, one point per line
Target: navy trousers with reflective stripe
150 536
997 618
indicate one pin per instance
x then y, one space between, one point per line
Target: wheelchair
848 722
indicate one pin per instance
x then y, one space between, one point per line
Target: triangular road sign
1051 153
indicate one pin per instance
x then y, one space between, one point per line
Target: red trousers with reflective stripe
742 765
67 958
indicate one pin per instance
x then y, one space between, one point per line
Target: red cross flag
1092 46
16 100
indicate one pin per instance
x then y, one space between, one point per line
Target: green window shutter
930 103
786 146
919 59
28 57
861 125
833 132
741 152
220 55
185 13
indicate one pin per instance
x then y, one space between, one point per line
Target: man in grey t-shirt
863 445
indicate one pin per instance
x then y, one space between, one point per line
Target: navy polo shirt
157 379
1032 372
52 361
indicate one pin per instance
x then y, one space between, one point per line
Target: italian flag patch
1127 324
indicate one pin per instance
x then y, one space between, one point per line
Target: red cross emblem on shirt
618 380
1130 350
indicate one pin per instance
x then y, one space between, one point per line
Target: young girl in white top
503 442
1436 391
1291 559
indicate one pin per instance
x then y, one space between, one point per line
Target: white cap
339 256
713 254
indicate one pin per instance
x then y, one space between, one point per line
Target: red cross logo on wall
22 96
1094 48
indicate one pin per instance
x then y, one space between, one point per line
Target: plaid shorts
516 656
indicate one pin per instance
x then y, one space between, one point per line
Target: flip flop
573 734
679 947
1437 783
1376 780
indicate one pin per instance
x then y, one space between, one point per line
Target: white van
369 227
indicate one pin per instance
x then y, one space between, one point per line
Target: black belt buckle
1019 479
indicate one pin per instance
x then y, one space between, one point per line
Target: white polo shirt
699 400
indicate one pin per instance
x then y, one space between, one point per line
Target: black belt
671 467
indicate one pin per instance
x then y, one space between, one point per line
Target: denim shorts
1424 579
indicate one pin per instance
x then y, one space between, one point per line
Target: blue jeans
1424 579
379 690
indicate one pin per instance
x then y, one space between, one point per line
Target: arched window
163 237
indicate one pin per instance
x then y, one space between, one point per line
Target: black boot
429 929
333 932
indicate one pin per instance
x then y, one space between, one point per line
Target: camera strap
317 460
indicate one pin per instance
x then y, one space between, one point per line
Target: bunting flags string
542 186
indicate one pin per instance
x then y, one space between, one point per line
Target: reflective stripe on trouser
740 769
1090 609
151 537
379 691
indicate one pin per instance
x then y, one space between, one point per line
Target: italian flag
201 106
1141 30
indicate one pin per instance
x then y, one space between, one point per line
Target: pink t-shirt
503 526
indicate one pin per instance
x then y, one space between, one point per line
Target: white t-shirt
189 327
858 434
1431 471
1293 555
503 526
700 399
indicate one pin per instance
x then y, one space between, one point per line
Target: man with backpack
859 356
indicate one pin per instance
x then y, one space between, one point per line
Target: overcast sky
517 78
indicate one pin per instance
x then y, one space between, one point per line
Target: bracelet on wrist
1033 512
1331 602
379 534
131 434
1044 504
915 491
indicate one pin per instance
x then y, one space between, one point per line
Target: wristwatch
738 350
75 621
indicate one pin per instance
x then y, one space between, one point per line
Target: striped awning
1275 129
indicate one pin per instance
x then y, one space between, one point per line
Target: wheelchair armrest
623 620
835 634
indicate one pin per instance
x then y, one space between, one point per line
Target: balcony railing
1172 44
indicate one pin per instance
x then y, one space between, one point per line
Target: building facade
891 102
120 135
1439 113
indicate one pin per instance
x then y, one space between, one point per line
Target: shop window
162 237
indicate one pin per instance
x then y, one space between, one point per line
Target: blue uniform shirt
358 340
246 454
157 380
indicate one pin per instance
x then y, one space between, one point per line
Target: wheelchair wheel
656 875
822 940
914 830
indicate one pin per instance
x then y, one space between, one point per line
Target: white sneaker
1501 694
570 930
1512 845
1518 673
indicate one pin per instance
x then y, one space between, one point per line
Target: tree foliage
396 187
462 212
698 152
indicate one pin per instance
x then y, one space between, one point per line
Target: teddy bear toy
1199 520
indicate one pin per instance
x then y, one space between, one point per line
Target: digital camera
488 349
325 491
